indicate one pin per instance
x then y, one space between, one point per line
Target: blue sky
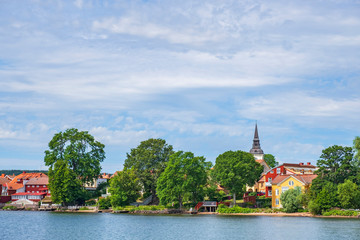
197 74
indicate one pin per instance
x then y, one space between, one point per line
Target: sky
198 74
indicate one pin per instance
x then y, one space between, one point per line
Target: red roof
17 181
24 194
304 178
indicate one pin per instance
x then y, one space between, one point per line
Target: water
49 225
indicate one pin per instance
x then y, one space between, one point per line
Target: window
277 192
284 189
291 183
278 170
44 186
272 171
277 201
37 186
269 179
270 193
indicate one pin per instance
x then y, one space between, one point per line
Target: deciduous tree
235 169
290 200
270 160
149 161
349 195
184 174
125 188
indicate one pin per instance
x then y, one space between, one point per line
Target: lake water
50 226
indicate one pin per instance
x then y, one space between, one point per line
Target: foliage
213 194
349 195
270 160
290 200
149 161
184 173
65 187
327 198
235 209
314 207
336 164
9 208
357 148
81 152
90 202
17 172
104 203
124 188
305 198
336 212
235 169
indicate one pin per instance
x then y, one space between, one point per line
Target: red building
286 169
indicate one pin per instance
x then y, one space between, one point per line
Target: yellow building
282 183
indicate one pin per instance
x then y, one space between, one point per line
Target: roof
3 180
25 194
304 178
17 181
38 181
298 165
263 163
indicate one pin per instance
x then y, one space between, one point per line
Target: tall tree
336 164
184 174
235 169
124 188
74 159
270 160
64 185
80 150
149 161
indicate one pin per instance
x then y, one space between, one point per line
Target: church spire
256 149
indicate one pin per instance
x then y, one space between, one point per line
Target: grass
140 208
9 208
84 208
235 209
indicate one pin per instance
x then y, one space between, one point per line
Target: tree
74 159
149 161
270 160
64 185
125 188
349 195
184 174
327 197
290 200
336 164
81 152
235 169
357 148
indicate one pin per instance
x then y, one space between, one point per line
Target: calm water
48 225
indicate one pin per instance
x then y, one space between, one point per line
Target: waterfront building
282 183
286 169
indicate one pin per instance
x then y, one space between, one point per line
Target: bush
314 208
336 212
90 202
290 200
104 203
235 209
9 208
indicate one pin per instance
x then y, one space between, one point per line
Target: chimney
301 164
3 175
24 172
308 163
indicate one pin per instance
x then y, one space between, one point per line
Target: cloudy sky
198 75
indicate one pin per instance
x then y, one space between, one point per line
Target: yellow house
282 183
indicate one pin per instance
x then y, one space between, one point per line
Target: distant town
156 179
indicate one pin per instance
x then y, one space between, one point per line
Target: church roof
256 149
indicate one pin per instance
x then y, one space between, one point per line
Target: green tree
149 161
327 197
357 148
184 174
270 160
349 195
64 185
235 169
290 200
81 152
125 188
336 164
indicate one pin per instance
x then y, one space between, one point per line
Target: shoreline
279 214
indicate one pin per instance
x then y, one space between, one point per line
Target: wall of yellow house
277 189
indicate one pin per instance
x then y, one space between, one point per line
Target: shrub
290 200
314 208
235 209
104 203
336 212
9 208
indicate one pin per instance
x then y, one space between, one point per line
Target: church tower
256 149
